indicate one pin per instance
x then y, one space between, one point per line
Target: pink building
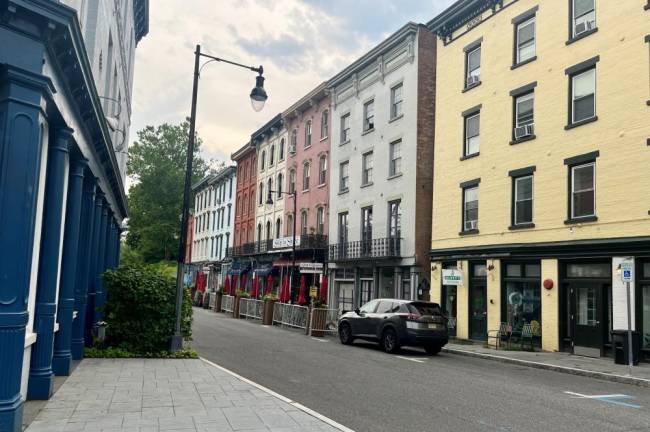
308 123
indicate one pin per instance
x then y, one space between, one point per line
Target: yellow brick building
542 169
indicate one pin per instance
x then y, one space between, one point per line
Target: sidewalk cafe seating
524 337
503 334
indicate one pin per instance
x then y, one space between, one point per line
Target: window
269 185
308 134
292 181
395 219
583 17
473 67
281 155
324 124
366 169
345 128
369 116
289 225
271 155
259 232
396 101
395 163
343 228
366 225
470 208
268 230
262 160
472 134
583 96
294 141
228 220
303 223
583 190
306 173
523 200
322 170
344 179
261 193
320 220
278 228
524 116
279 186
525 49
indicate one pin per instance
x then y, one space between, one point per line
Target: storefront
642 305
478 301
521 296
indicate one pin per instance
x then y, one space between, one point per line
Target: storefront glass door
478 302
587 325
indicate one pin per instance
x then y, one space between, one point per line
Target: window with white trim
306 174
322 170
523 200
344 176
369 115
470 208
525 32
345 128
366 168
324 124
583 95
395 156
472 134
583 190
396 100
584 16
308 134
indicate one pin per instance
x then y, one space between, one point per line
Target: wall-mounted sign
311 267
285 242
627 271
452 277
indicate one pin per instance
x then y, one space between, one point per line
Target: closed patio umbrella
242 282
302 300
233 285
254 283
323 289
226 286
269 284
284 291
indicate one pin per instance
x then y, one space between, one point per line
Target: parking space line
608 398
410 359
318 339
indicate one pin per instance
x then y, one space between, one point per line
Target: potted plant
218 298
318 318
235 308
198 298
267 313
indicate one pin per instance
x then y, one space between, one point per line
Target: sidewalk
144 395
602 368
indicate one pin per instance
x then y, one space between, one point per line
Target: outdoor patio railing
227 303
251 308
324 320
290 315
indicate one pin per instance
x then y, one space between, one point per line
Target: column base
11 415
61 365
77 350
40 387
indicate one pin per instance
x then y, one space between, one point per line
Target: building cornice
461 13
270 128
307 101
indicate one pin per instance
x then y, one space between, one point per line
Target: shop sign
311 267
452 277
313 292
285 242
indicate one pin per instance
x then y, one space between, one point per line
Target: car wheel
345 334
432 349
389 341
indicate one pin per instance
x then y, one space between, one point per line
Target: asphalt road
365 389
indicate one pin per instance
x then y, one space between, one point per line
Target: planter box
267 314
318 321
217 302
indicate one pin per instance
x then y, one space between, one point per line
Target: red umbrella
233 285
323 289
242 283
258 284
269 284
226 287
284 291
301 297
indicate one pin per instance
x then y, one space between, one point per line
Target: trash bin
621 348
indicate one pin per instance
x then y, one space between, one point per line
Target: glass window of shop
406 284
367 285
643 305
521 296
387 283
449 299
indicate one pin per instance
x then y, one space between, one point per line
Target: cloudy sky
300 43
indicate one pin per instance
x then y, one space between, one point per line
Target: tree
156 164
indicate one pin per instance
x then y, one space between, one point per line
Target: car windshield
424 308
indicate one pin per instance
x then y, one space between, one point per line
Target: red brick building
246 159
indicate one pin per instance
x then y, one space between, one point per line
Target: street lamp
258 98
269 201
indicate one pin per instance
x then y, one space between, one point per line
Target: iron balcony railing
305 241
389 247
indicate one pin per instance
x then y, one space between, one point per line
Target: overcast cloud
300 43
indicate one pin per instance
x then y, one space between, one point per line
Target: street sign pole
629 329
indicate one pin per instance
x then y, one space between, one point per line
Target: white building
382 171
271 143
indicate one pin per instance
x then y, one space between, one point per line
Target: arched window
242 205
278 226
271 155
278 185
270 185
324 124
251 201
261 193
289 225
308 134
268 230
281 156
294 141
262 160
303 223
259 232
320 220
306 173
292 181
322 170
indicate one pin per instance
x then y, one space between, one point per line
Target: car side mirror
357 311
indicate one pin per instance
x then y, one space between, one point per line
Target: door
588 323
478 310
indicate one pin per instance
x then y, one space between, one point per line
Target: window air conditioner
292 148
471 225
524 131
473 79
584 26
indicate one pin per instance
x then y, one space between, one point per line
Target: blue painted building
65 103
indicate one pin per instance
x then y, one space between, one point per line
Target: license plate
434 326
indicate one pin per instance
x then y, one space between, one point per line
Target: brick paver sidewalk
142 395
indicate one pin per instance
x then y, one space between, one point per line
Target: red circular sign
548 284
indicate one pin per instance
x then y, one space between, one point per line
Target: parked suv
395 323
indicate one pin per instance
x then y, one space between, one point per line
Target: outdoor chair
501 335
526 338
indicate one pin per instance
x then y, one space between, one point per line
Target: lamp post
269 201
258 98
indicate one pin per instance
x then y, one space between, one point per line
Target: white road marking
410 359
319 339
608 398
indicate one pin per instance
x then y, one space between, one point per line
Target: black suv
394 323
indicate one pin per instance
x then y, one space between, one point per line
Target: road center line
410 359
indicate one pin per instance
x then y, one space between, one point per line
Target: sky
300 43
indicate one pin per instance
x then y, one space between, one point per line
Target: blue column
101 266
118 246
23 130
41 377
63 338
92 267
83 266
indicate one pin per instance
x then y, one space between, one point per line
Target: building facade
61 190
381 168
538 213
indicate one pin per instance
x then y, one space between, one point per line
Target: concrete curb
296 405
623 379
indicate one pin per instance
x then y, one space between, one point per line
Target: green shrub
242 293
112 352
139 309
